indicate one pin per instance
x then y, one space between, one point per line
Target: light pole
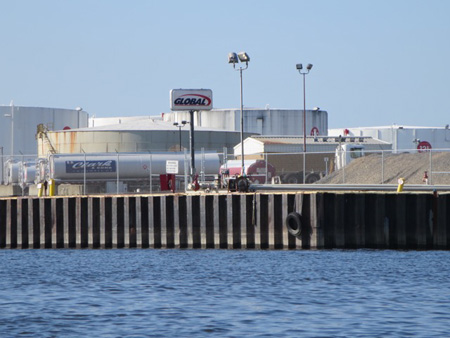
299 67
234 59
11 115
179 126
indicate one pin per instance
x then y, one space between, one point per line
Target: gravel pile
375 169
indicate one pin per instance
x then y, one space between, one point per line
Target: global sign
191 99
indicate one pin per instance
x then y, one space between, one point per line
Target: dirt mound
377 169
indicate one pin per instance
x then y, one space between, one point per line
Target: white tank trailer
27 173
99 167
11 172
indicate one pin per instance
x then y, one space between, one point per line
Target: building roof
393 126
294 140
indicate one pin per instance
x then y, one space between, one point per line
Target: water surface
224 293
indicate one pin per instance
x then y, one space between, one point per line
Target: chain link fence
122 173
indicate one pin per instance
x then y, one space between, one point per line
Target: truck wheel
312 177
292 179
242 184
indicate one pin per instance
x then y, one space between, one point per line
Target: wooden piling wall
228 221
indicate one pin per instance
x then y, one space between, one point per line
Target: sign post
191 100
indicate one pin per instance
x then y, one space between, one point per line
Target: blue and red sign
191 99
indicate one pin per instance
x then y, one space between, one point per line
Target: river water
224 293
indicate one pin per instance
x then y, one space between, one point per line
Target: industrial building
402 138
286 153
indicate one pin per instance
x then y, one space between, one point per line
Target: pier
262 220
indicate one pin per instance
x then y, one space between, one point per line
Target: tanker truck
133 169
257 171
289 166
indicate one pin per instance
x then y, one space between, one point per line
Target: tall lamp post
234 59
299 67
179 126
11 115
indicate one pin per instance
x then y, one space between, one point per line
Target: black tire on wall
294 224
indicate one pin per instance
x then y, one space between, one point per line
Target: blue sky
375 62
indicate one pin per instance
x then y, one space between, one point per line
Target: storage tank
263 121
255 170
142 135
125 166
19 124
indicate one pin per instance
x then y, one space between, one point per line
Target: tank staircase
42 131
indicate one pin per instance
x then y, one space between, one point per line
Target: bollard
40 189
425 177
401 182
51 187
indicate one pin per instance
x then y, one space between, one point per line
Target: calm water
219 293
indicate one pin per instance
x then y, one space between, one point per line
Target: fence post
150 185
117 169
265 158
431 168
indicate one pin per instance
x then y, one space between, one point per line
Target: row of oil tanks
135 169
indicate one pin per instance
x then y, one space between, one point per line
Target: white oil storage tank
71 168
141 135
19 125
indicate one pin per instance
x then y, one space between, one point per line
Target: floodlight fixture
299 66
243 57
179 126
309 66
232 58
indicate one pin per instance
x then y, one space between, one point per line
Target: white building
402 138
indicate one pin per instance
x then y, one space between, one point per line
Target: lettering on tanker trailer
191 99
77 167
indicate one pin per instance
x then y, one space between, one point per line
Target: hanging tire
294 224
312 177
